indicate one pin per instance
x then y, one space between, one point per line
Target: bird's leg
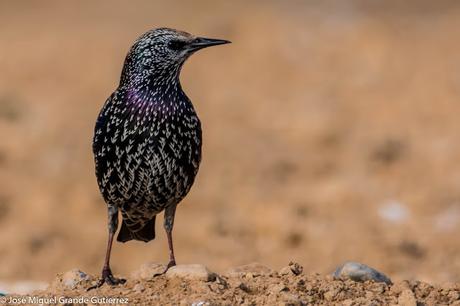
107 276
170 212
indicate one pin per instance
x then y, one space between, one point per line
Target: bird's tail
146 233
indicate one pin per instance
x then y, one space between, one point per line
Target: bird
147 140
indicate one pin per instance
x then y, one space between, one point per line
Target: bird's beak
202 42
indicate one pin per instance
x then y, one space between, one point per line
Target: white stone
394 211
149 270
360 272
191 272
71 279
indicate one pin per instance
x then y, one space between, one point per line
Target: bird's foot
171 263
107 278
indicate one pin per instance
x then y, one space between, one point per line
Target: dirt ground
252 284
331 133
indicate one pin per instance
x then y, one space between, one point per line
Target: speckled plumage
147 141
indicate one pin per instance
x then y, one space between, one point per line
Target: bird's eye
176 44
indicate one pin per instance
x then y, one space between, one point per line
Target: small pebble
360 273
285 271
244 287
71 279
394 211
293 268
191 272
296 268
221 282
149 270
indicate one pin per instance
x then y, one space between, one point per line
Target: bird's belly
147 164
170 179
154 173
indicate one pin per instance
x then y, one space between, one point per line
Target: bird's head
158 55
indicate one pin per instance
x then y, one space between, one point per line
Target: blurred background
331 133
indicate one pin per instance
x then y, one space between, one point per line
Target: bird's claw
171 263
109 279
113 281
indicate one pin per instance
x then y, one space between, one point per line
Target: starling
147 140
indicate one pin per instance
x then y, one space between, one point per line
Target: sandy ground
252 284
330 134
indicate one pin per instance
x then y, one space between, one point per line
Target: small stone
139 288
71 279
244 287
296 268
407 298
360 273
394 211
285 271
293 269
256 269
191 272
221 282
249 275
149 270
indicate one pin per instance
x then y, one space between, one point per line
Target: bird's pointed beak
203 42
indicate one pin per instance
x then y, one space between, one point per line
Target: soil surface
254 285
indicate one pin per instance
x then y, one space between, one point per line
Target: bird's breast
148 156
